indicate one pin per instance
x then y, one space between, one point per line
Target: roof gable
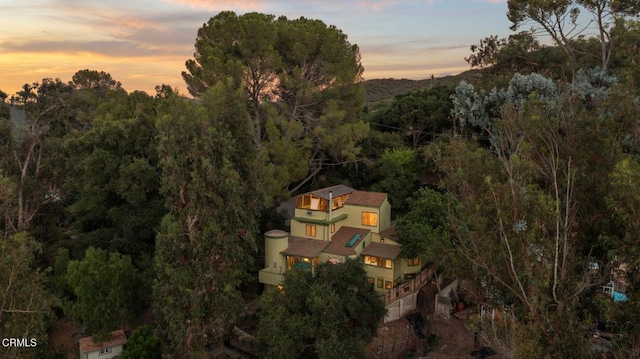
87 345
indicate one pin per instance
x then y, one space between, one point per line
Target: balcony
270 276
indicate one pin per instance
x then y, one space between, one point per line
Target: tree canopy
105 286
206 242
300 81
331 314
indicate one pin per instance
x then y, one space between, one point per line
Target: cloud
109 48
378 5
252 5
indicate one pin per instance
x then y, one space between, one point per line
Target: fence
407 288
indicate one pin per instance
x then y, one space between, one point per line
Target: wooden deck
410 287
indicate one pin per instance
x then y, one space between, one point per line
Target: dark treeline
523 180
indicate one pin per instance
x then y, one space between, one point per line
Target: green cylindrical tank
276 241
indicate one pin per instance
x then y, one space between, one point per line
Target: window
369 219
380 283
333 227
377 262
412 262
387 285
310 230
105 351
303 201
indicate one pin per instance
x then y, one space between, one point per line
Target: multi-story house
335 223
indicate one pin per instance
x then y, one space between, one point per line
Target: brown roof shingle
390 233
340 239
87 344
382 250
304 247
366 198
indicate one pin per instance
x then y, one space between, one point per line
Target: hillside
385 89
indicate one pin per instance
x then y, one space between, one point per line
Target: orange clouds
252 5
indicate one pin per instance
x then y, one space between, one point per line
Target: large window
369 219
412 262
303 201
310 230
377 262
309 201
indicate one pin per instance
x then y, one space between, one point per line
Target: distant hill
386 89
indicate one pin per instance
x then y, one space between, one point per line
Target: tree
419 115
116 181
34 165
26 307
300 81
91 79
142 345
331 314
422 229
400 176
105 286
520 207
559 20
206 241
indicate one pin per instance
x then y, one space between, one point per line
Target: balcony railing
412 286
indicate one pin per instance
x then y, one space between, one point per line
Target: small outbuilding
111 349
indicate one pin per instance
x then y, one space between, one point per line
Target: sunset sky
144 43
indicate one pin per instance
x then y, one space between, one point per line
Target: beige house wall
355 217
115 350
404 268
379 273
384 217
299 229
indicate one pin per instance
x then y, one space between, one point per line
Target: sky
144 43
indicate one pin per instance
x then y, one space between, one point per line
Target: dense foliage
523 180
331 314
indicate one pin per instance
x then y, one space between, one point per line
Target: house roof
340 239
87 344
304 247
366 198
337 190
390 233
382 250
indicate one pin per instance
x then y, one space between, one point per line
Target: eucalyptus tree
523 209
205 243
560 20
